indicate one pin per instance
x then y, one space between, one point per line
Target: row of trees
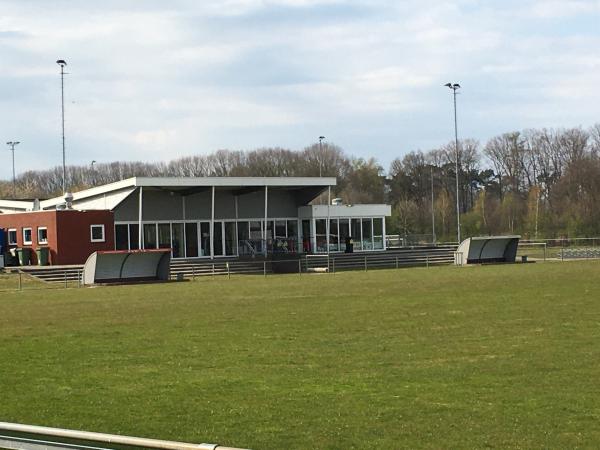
539 183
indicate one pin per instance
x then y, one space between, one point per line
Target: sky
154 80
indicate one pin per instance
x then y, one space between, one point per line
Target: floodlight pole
432 209
12 149
320 153
62 63
454 88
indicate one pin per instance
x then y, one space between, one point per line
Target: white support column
383 237
237 238
313 235
266 218
212 223
140 216
327 228
183 244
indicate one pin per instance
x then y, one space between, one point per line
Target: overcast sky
153 80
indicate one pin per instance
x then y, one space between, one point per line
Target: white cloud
156 80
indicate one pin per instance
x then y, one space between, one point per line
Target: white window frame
13 230
25 241
40 241
101 226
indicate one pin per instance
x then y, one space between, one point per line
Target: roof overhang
310 187
10 206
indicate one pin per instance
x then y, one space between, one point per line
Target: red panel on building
71 235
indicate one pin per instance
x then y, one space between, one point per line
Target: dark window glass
42 236
164 235
121 237
230 240
177 240
243 231
292 229
218 238
205 239
134 238
191 240
97 232
150 235
280 231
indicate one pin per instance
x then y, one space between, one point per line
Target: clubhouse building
211 217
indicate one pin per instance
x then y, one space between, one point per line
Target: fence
29 437
21 280
564 248
314 263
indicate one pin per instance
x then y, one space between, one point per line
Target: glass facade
245 237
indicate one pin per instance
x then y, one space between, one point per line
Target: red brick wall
32 220
74 237
69 237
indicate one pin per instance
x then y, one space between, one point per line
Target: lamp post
12 144
320 153
62 63
432 209
454 88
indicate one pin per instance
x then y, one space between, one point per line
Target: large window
12 236
97 233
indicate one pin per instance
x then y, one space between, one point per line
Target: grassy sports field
493 356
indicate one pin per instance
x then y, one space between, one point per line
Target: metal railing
17 279
31 437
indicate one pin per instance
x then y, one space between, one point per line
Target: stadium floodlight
62 63
454 88
12 144
320 153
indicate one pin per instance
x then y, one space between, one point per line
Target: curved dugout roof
488 249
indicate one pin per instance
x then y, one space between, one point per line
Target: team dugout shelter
208 217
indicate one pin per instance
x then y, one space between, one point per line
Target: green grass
492 356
